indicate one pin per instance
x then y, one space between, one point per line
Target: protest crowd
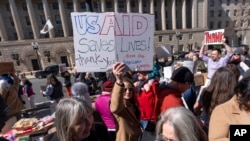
144 95
193 104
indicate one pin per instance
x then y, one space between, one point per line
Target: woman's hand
118 70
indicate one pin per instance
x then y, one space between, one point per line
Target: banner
101 39
214 37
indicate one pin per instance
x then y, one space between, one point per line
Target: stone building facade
22 20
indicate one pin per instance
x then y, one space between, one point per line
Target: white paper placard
189 65
168 71
214 37
101 39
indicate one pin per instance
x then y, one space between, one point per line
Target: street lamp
178 36
36 48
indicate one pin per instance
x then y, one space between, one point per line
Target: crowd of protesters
132 103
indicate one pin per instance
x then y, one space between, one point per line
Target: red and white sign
214 37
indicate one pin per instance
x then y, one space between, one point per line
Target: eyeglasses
129 89
163 138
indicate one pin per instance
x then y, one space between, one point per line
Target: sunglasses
129 89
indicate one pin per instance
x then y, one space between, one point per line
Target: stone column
163 15
205 14
33 19
128 6
173 14
16 19
63 18
103 7
3 33
194 14
152 8
116 6
76 6
47 16
184 16
140 6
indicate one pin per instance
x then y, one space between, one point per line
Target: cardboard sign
6 67
214 37
163 51
101 39
199 79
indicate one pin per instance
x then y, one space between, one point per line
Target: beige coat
12 100
127 127
224 115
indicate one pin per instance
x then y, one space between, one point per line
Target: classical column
76 6
47 16
194 14
16 20
103 7
173 14
184 16
116 6
63 18
163 15
33 19
152 11
3 33
205 14
140 6
128 6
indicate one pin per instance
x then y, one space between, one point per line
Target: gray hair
186 125
80 89
69 111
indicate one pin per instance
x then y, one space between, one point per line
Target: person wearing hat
236 58
171 95
102 104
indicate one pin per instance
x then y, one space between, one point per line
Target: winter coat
127 126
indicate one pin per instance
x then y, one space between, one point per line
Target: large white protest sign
214 37
189 65
100 39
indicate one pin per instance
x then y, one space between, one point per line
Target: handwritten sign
214 37
101 39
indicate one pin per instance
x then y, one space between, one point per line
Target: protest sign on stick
101 39
214 37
